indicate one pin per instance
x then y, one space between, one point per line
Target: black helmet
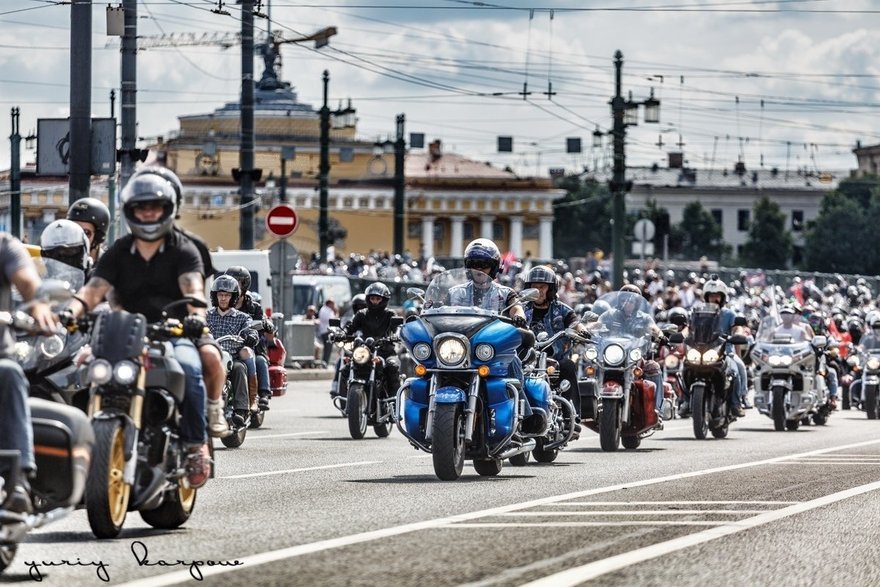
483 251
228 284
677 316
358 303
148 189
542 274
93 211
242 276
167 175
377 289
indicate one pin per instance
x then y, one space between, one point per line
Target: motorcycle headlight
51 346
710 356
785 360
774 360
125 372
671 362
100 371
873 363
484 352
635 355
613 354
693 356
23 351
591 353
451 351
421 351
360 355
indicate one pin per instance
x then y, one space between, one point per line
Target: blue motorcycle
463 402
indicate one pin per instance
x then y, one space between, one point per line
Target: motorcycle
63 443
789 380
364 403
869 361
561 417
672 360
625 402
238 422
138 461
463 403
707 378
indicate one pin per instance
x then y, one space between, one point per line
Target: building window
468 230
414 230
740 249
531 231
718 215
497 231
743 220
438 232
797 255
797 220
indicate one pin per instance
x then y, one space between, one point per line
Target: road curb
309 374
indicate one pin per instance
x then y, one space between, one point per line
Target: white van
313 290
257 262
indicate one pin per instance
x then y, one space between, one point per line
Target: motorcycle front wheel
699 414
447 443
357 412
107 494
869 393
7 553
778 408
174 511
609 425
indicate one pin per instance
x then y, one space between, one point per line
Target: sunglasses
480 265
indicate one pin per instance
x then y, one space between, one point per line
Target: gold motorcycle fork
135 410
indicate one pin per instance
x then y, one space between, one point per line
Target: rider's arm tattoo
94 292
192 284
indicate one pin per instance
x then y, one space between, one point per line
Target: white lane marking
614 503
589 524
590 571
818 462
634 513
313 432
301 470
251 561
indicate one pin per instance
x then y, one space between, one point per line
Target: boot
252 393
217 426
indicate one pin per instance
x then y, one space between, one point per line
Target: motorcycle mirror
738 339
370 341
564 385
543 336
335 322
676 338
396 322
415 292
529 295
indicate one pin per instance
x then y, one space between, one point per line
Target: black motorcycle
365 404
137 388
239 421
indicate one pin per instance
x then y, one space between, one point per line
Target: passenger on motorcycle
223 319
548 314
627 318
148 269
64 248
259 387
715 292
15 415
94 218
375 322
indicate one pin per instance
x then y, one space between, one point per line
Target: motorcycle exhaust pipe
528 444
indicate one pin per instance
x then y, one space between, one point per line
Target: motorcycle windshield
465 291
629 320
704 324
55 269
773 331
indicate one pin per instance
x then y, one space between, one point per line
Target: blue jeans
658 380
262 373
739 380
831 379
16 432
193 424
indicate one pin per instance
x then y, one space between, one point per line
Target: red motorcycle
672 359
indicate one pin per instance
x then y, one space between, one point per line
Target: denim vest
553 322
494 299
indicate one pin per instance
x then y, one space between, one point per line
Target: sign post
282 221
644 232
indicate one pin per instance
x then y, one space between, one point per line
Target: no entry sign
282 221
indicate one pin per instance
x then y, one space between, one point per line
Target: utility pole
247 175
128 153
111 183
15 177
80 99
399 180
323 172
618 183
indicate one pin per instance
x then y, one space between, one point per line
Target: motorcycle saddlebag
644 416
63 440
277 380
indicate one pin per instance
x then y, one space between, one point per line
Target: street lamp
624 113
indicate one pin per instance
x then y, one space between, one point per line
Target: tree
581 219
769 245
701 235
839 240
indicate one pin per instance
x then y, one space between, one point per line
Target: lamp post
399 181
624 113
323 171
15 177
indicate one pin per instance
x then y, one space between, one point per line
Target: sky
791 84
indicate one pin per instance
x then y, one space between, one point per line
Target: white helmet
65 241
716 286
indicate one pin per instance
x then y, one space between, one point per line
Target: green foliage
841 238
583 220
699 233
769 245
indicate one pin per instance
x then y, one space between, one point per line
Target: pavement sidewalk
310 374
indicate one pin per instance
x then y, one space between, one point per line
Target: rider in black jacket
375 322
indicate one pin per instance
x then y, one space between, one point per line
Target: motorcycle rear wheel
382 430
521 460
721 431
792 424
488 467
174 511
7 553
357 413
631 442
778 408
699 413
236 439
107 494
820 419
609 426
543 455
257 419
447 444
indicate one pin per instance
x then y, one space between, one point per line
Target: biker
789 328
213 370
868 341
16 432
224 319
251 307
375 322
818 327
148 269
628 318
64 248
548 314
94 218
715 292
